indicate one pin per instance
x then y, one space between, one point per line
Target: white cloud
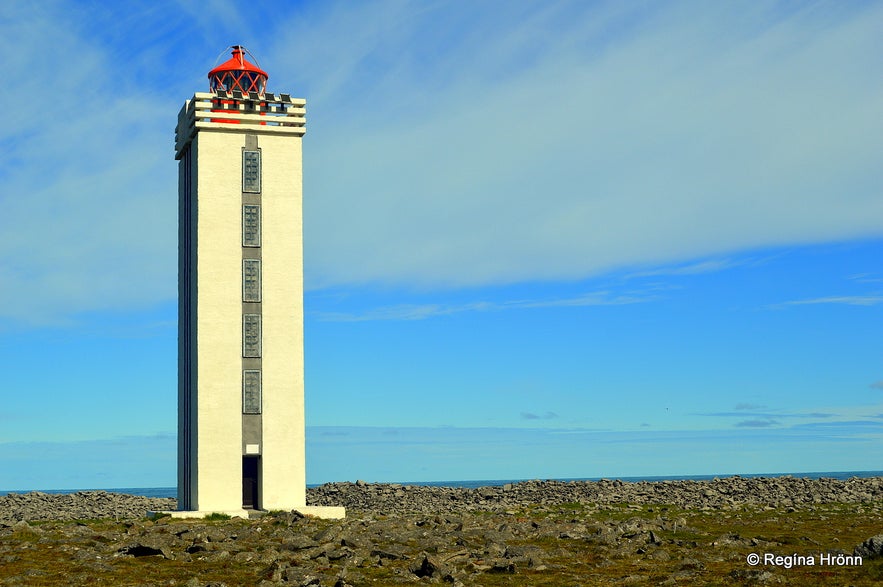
683 135
448 144
88 189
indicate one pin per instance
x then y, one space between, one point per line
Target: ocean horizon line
171 491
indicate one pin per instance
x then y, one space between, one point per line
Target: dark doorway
250 468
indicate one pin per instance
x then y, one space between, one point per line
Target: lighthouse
240 297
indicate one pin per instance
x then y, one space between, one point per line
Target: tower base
317 511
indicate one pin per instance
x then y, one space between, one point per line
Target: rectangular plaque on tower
251 225
251 280
251 335
251 391
251 172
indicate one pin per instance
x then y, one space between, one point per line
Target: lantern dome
238 73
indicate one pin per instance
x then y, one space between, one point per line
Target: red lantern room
238 74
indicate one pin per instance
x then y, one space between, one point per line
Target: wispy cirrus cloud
762 417
543 416
697 268
866 278
755 415
846 427
769 415
424 311
748 406
867 300
757 424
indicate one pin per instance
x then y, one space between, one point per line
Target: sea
472 484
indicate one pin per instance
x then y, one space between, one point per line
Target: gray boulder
870 548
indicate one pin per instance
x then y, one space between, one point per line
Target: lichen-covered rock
870 548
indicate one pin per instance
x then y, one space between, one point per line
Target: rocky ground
530 533
391 498
724 493
82 505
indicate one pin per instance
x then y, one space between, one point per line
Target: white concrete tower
240 297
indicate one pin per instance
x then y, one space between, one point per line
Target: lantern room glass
238 74
244 81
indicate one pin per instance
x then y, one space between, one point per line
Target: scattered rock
870 548
429 567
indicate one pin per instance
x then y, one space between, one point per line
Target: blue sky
561 239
